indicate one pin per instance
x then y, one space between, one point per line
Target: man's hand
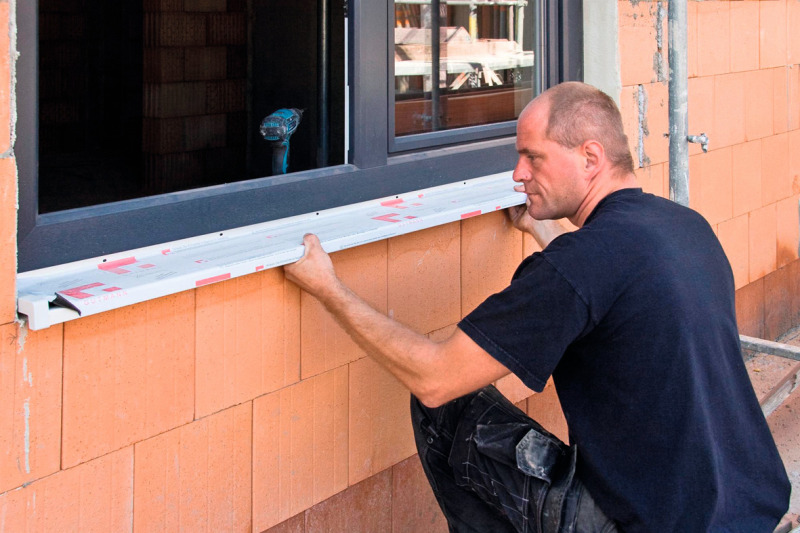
520 218
314 271
544 231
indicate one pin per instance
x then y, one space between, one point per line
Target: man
633 316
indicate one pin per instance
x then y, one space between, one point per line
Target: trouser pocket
539 454
508 460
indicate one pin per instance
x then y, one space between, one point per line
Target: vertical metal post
678 103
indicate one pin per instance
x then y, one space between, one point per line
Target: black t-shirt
633 315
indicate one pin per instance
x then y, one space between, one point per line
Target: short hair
579 112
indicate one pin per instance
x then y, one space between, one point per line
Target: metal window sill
66 292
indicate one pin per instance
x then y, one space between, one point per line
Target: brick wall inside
195 92
242 406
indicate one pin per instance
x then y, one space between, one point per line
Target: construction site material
774 380
769 347
66 292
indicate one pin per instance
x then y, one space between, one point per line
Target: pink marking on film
470 214
115 266
112 289
387 218
221 277
165 251
148 265
259 267
77 292
395 203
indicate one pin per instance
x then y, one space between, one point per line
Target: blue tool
277 128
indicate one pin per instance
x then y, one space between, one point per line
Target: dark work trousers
494 469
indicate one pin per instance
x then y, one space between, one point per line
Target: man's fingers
310 241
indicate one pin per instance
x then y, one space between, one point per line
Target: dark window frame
374 170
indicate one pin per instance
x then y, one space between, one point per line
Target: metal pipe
769 347
678 103
323 82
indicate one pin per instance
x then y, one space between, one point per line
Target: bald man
633 317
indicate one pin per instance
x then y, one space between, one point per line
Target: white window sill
66 292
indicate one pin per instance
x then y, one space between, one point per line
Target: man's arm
435 372
544 231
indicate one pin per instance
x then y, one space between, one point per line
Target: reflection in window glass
482 62
149 97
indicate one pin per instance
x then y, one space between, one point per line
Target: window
147 121
480 69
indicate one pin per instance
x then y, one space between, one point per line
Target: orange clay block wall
242 406
744 93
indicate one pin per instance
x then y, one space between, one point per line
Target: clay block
772 34
226 96
8 240
128 375
380 420
30 400
366 506
227 28
95 496
205 131
174 99
246 339
414 507
763 241
162 135
713 38
776 180
750 309
172 172
174 29
491 250
299 448
163 65
778 303
196 477
205 5
206 63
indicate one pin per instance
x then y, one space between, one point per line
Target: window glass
157 96
479 70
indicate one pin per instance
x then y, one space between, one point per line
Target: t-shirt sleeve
528 326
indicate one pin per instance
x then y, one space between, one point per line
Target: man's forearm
435 372
404 352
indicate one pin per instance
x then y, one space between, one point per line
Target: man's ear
594 156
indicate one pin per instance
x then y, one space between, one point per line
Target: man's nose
520 173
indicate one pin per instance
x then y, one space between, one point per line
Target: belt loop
427 427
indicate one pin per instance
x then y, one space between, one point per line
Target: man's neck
599 189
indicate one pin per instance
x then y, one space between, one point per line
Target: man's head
580 112
573 152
